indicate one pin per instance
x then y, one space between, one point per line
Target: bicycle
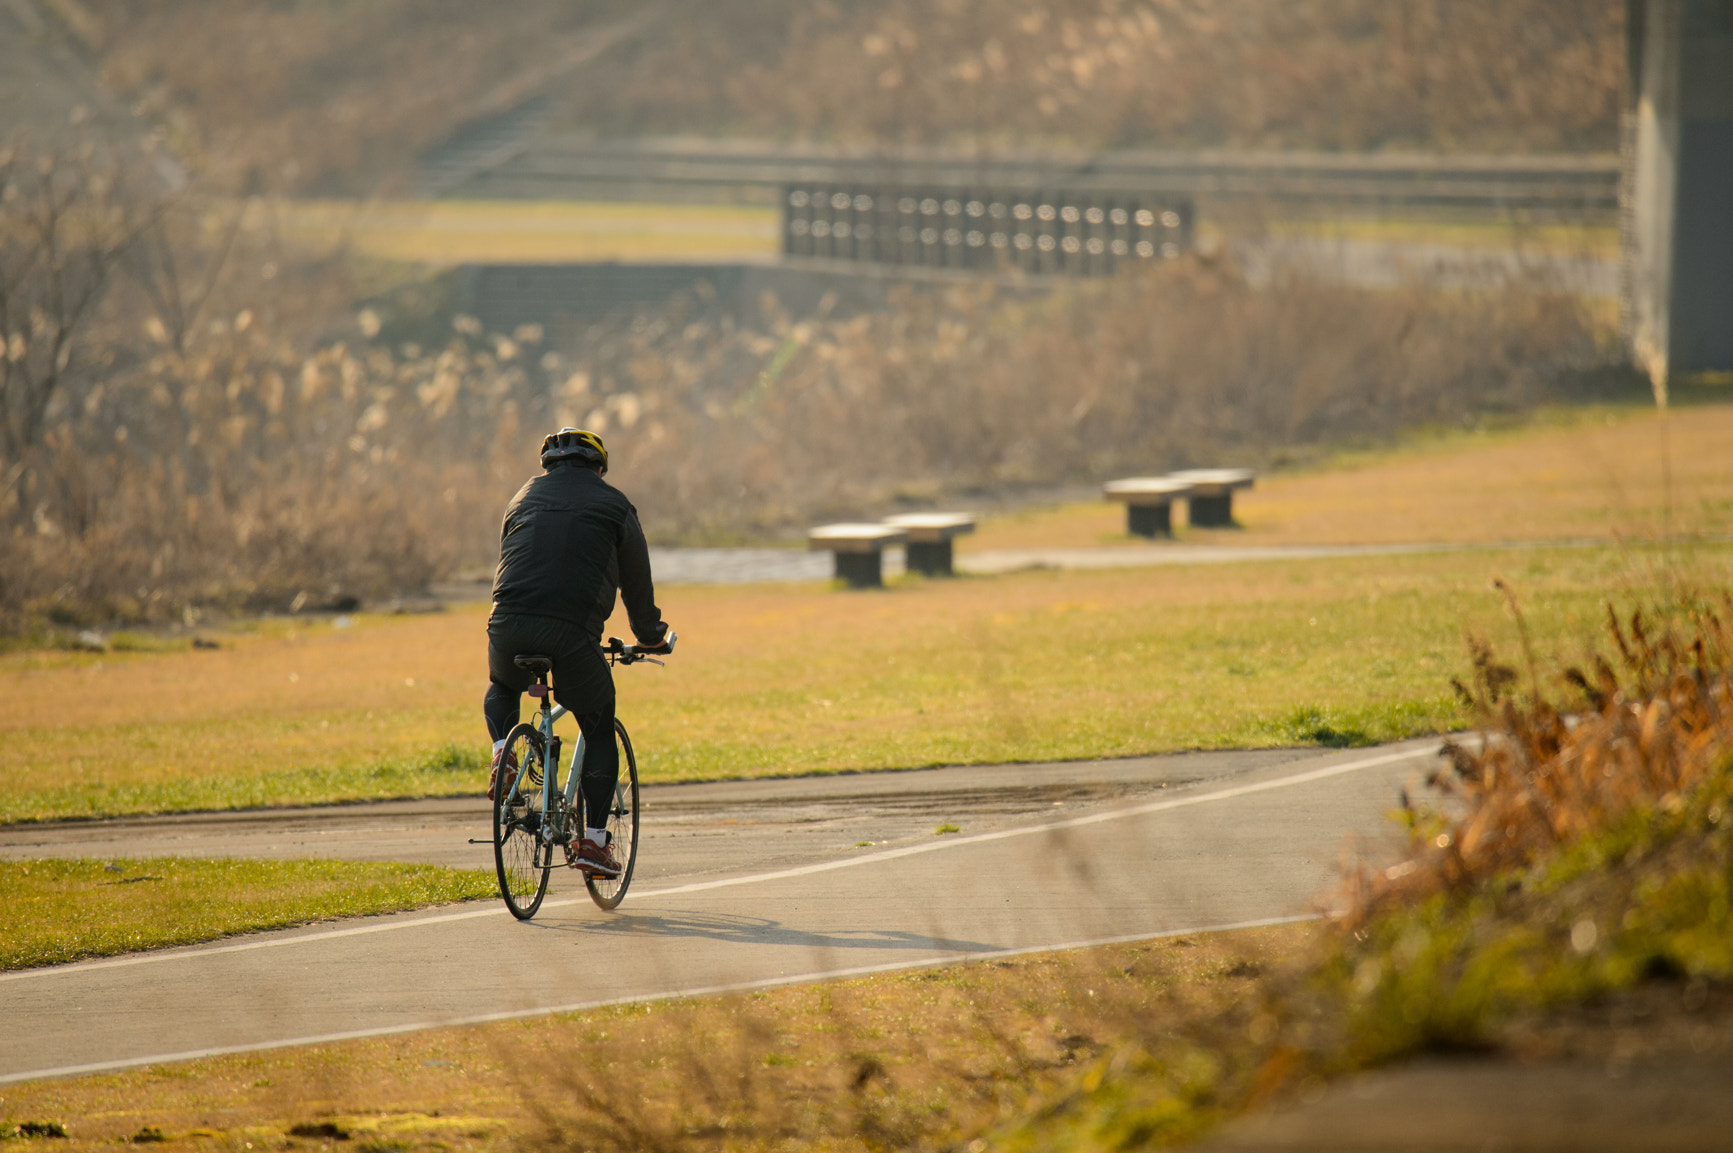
531 824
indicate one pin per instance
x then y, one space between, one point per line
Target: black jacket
570 539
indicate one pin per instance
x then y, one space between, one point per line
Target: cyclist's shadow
734 929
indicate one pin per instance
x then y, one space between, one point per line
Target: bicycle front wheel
608 892
520 855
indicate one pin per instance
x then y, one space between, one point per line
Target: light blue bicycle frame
548 835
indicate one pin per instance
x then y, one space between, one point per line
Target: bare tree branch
65 223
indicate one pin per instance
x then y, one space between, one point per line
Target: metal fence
1042 232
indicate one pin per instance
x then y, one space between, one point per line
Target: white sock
499 744
597 836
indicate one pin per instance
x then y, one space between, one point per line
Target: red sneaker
503 753
593 860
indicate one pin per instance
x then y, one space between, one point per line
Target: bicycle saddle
532 662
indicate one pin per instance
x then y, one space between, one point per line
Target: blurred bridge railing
526 162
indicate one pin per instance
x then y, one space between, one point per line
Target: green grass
775 680
451 770
1070 665
56 911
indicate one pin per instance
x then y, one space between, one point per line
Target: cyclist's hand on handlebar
629 654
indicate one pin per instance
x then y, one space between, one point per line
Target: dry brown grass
202 457
915 1060
1651 720
1183 364
1629 474
443 233
225 437
1331 74
303 96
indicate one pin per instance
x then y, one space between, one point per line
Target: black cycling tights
601 768
582 683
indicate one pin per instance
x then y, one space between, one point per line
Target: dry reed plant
306 97
1651 720
1179 365
1327 74
242 473
168 440
200 436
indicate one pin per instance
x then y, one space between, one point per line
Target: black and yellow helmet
575 444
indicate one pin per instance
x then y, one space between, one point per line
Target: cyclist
569 541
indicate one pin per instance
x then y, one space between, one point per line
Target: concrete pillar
1678 239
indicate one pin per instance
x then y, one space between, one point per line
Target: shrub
1635 729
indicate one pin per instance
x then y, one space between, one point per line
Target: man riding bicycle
569 541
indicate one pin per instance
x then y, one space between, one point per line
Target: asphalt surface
740 885
1677 1103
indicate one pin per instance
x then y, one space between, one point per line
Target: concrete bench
1210 503
1148 502
859 549
930 535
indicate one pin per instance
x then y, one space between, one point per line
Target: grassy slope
794 679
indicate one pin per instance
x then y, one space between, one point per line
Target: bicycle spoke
521 860
608 892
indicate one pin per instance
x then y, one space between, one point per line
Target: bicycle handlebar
619 652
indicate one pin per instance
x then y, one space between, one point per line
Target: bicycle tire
521 859
608 892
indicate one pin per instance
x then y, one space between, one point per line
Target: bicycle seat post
540 666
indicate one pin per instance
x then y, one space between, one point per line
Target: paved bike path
1245 845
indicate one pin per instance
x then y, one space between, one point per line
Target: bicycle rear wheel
520 856
608 892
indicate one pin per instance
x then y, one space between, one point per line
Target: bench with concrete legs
859 549
1148 502
1210 504
930 537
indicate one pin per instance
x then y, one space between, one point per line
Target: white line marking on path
948 842
1052 826
642 999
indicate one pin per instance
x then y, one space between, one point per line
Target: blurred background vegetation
203 411
337 98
